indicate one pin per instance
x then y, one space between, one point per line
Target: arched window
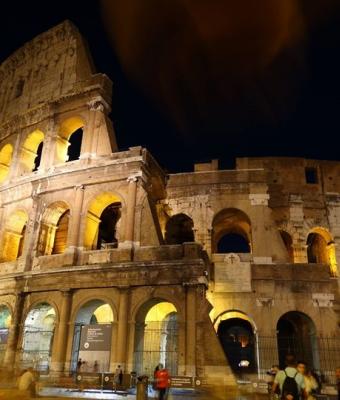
31 152
233 243
179 229
236 335
38 336
296 334
107 226
5 161
69 140
231 232
102 220
288 242
5 323
156 337
14 236
321 249
54 229
94 312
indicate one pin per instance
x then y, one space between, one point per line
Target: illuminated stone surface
110 233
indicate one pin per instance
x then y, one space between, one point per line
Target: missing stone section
311 175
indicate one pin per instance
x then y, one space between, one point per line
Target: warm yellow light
160 311
229 315
104 314
5 161
66 129
49 226
29 150
13 235
94 212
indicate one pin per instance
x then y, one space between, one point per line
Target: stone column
190 360
49 147
75 222
61 333
130 212
300 252
13 334
122 331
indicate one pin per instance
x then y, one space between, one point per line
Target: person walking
162 382
290 381
117 377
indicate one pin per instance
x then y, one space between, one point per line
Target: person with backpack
290 381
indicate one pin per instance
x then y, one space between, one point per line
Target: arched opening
14 236
237 337
296 335
179 229
231 232
6 154
156 337
69 140
107 227
73 151
54 229
31 152
288 242
321 249
92 337
233 243
38 337
5 323
102 222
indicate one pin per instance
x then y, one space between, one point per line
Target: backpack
290 387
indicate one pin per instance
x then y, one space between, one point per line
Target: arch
6 154
237 334
38 336
233 227
156 336
5 323
68 148
54 229
104 208
98 315
288 242
31 151
296 334
179 229
321 248
14 235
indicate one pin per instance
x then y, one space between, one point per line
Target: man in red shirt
162 381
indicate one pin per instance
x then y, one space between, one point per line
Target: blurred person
337 375
162 382
26 382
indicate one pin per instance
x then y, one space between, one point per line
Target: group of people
295 382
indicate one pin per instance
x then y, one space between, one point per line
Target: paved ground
6 394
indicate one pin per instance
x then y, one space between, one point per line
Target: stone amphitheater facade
93 235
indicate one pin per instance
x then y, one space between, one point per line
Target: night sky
202 79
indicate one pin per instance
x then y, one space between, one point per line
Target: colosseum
106 257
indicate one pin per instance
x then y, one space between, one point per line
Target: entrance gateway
92 337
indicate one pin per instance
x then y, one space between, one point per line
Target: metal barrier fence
320 353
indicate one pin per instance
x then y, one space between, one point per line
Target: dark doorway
296 335
179 229
107 227
233 243
238 341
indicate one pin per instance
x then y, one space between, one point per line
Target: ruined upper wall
52 65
